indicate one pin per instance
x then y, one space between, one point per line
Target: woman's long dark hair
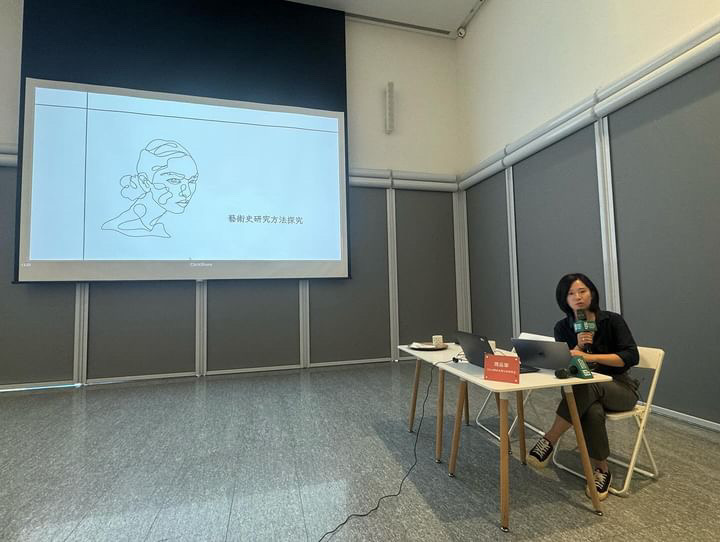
563 287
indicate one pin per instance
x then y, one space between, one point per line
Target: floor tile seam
181 472
88 508
296 449
5 464
230 511
85 515
300 498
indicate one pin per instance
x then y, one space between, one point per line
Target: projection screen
121 184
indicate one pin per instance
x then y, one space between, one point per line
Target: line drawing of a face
166 181
172 185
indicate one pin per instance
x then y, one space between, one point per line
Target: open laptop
542 354
475 348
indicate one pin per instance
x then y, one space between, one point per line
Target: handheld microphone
582 325
578 369
566 373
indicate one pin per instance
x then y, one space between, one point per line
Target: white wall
10 30
423 69
525 61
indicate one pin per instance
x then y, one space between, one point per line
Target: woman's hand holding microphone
585 340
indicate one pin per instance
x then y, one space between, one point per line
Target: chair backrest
651 358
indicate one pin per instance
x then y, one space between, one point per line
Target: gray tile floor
288 455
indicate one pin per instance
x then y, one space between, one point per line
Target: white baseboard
687 418
38 386
253 370
350 362
119 379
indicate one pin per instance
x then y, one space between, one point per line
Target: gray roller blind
557 219
350 318
489 260
141 328
665 165
38 320
426 265
252 323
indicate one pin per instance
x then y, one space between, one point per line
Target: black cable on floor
417 435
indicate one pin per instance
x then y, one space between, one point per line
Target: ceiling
441 17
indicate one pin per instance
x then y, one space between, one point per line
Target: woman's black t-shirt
613 336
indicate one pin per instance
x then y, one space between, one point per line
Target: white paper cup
437 340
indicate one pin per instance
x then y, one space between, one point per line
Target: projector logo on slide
165 181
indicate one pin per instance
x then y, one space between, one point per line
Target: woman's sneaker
539 455
602 484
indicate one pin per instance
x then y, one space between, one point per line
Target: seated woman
613 351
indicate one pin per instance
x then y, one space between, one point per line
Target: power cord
417 435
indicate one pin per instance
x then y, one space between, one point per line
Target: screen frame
106 270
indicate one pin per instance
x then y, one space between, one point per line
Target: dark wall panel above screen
141 328
267 51
350 319
489 260
665 165
557 218
252 324
426 265
38 321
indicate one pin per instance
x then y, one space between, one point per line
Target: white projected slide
120 184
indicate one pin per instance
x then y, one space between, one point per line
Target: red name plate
502 368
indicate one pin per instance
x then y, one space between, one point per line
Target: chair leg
650 474
521 426
631 467
562 466
515 420
527 424
637 469
655 472
482 409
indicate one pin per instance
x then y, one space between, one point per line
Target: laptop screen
475 347
542 354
